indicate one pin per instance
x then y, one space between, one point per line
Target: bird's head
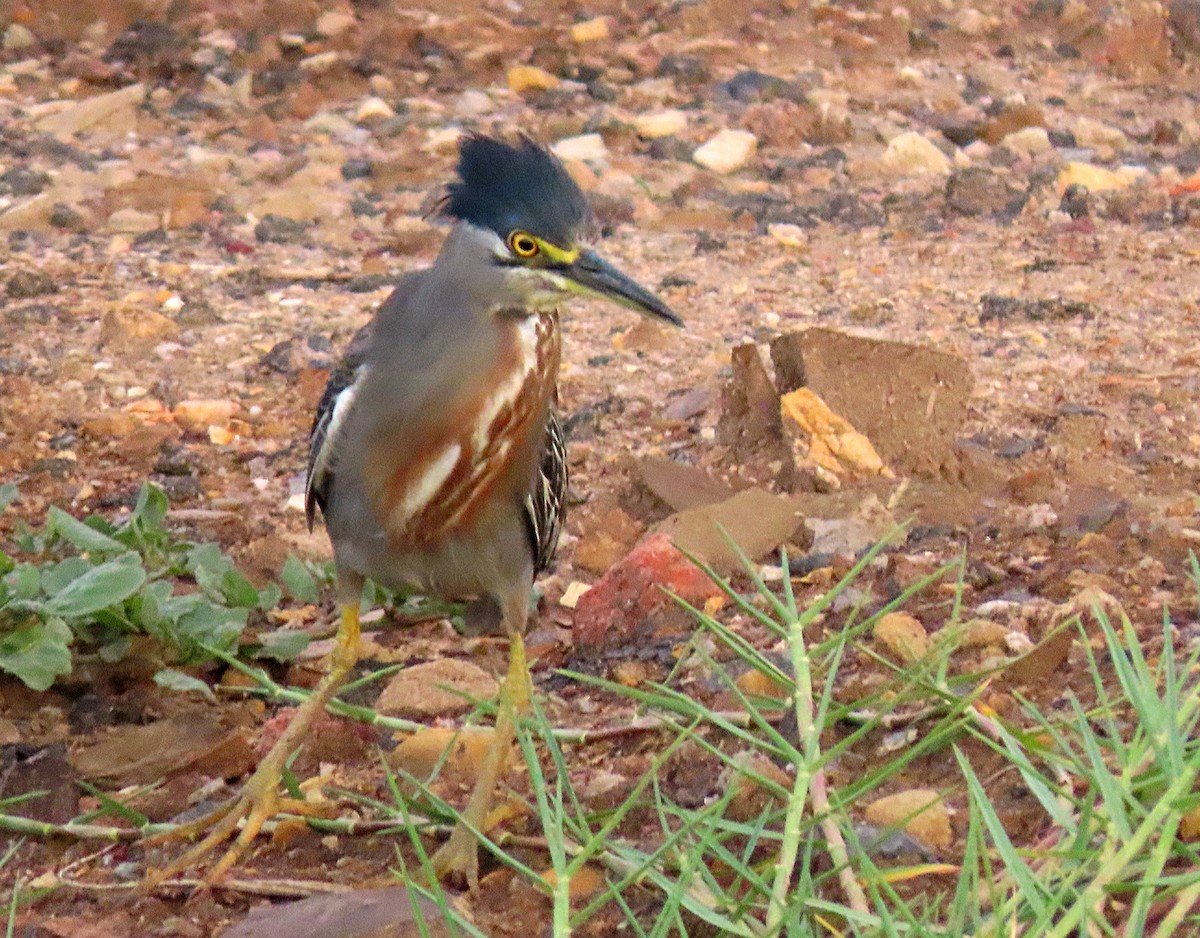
534 216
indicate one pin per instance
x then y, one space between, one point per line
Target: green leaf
24 581
269 597
6 563
207 558
116 649
238 590
82 536
57 577
282 644
102 586
209 624
184 683
37 654
151 507
8 495
297 581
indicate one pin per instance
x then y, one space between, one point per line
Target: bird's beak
590 274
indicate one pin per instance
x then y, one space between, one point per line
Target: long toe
457 860
256 804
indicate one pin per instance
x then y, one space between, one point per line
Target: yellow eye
523 244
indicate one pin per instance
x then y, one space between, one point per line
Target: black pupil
525 245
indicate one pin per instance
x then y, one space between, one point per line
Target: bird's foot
457 860
255 804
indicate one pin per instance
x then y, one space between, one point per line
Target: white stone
971 22
321 62
912 154
18 37
571 596
585 147
373 110
660 124
1029 141
727 151
473 103
788 235
333 23
113 114
1094 133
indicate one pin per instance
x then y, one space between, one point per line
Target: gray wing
546 504
328 421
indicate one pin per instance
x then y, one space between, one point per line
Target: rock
43 779
202 414
592 30
436 688
983 633
67 218
756 521
971 22
583 884
473 103
902 635
109 115
195 741
21 181
357 169
980 191
186 209
629 602
373 111
790 236
913 154
25 283
33 214
1093 178
1012 117
827 439
321 62
275 229
110 426
920 811
131 325
523 78
1029 141
1075 202
1044 660
1089 508
679 485
750 796
584 148
420 754
908 400
607 538
750 412
131 221
728 151
850 535
393 911
333 23
18 37
1091 133
660 124
571 595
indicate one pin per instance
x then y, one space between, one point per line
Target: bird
437 456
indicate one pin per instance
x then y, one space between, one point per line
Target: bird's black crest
504 186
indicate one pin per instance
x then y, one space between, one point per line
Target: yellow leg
258 800
459 856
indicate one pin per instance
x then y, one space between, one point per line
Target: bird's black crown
504 187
